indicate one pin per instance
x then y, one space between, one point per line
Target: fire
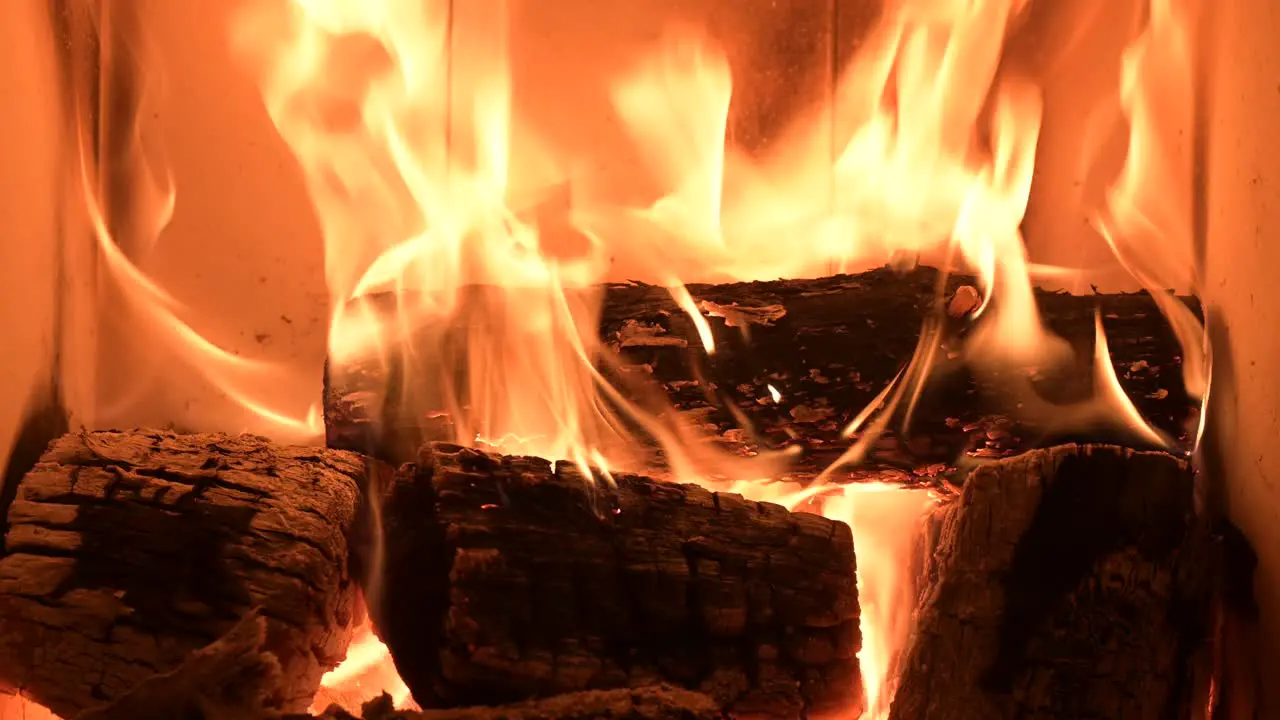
885 520
433 188
364 675
17 707
428 182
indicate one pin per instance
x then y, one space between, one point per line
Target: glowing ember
367 673
16 707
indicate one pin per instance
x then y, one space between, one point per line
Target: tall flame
433 188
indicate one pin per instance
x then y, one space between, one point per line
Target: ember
697 416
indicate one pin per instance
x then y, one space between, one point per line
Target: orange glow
1147 217
886 521
17 707
431 184
428 182
367 673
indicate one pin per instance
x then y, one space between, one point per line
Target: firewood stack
152 574
132 555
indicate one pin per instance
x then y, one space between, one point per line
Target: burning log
510 577
1070 582
658 702
125 552
232 677
828 347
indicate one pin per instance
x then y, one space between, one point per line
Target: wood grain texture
507 578
829 346
125 552
658 702
1071 582
232 678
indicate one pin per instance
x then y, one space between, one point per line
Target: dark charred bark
829 346
232 678
1071 582
657 702
128 551
508 578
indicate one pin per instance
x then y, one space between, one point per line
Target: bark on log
124 552
829 346
508 578
658 702
1072 582
232 678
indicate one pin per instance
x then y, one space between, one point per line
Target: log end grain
510 577
127 551
1070 582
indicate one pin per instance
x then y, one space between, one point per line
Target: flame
366 673
886 522
433 188
129 196
1147 216
18 707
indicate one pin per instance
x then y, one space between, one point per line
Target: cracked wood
1069 582
509 577
829 346
127 551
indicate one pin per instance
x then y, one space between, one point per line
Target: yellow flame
365 674
681 295
1147 217
433 186
886 522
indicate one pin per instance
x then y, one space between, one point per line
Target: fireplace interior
883 359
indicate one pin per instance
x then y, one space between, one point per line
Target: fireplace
823 230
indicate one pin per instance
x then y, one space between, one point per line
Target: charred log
829 346
232 678
509 577
1072 582
128 551
657 702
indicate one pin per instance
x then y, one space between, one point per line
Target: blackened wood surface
232 678
829 346
1071 582
507 578
658 702
127 551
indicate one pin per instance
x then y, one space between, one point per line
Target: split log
510 577
658 702
829 346
232 678
125 552
1072 582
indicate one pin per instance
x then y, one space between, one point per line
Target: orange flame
366 673
428 183
17 707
